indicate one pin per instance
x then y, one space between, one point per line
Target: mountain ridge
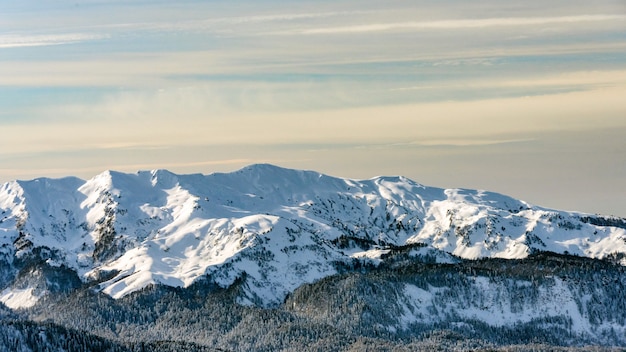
279 227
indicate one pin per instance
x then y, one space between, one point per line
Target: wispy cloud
244 25
572 80
145 121
459 142
458 24
26 40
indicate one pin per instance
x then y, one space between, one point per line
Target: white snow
491 304
18 298
374 255
279 226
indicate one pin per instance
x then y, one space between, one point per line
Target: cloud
459 24
172 119
571 80
467 142
207 24
29 40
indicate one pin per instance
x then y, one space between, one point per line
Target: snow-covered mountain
279 228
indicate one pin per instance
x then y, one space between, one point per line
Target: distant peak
264 167
163 177
106 175
390 178
397 179
105 178
263 171
159 172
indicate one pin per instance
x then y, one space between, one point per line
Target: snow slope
278 227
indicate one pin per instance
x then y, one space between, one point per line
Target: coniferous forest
404 304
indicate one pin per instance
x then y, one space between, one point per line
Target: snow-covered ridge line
281 227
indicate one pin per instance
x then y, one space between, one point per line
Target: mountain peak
270 171
161 177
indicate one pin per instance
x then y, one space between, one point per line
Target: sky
522 98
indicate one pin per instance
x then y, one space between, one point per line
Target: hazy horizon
525 99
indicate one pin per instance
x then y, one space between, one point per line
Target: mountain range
402 257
